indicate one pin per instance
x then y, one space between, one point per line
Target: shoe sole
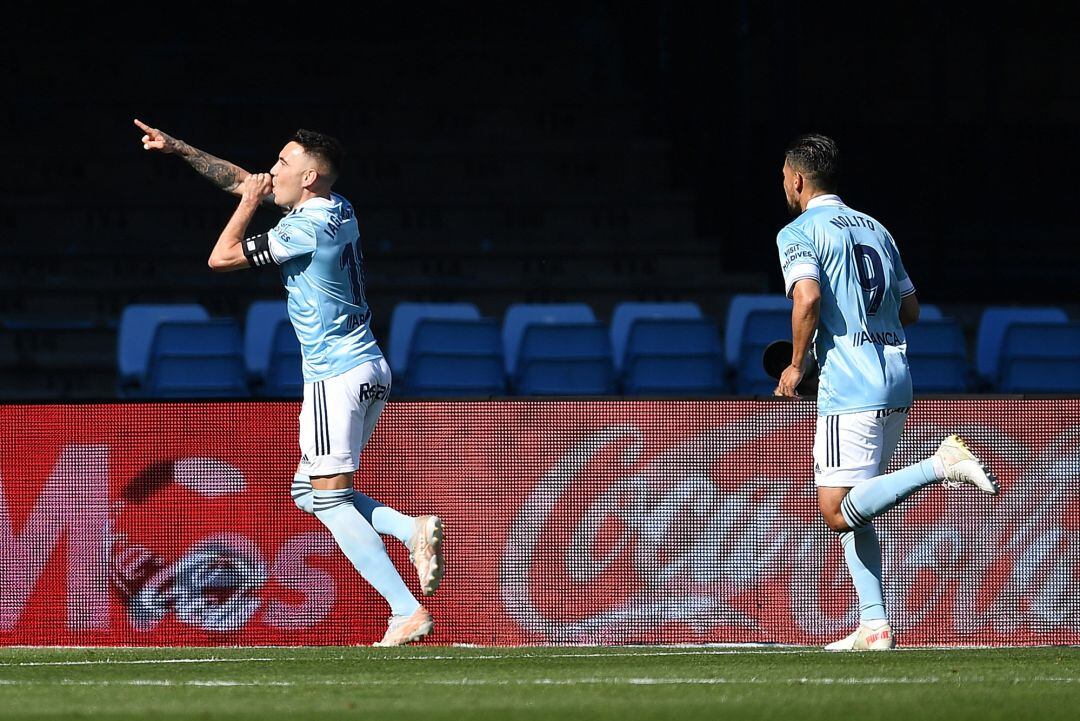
434 540
859 650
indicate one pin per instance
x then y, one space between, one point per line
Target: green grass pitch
436 682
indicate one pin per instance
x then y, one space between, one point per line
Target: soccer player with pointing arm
346 379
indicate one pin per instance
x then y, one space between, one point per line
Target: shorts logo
368 392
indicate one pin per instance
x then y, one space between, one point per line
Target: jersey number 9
871 276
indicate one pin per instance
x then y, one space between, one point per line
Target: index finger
143 126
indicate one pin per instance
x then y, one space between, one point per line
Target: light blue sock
367 506
363 547
863 555
386 520
873 497
382 518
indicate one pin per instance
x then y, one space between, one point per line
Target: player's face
791 195
288 175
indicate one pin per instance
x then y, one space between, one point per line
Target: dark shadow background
595 151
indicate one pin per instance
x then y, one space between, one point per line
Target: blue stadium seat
673 336
929 311
403 322
453 375
994 323
935 337
675 376
138 323
738 309
197 359
626 313
465 337
937 356
1041 358
260 326
284 376
456 357
565 359
519 316
674 357
759 328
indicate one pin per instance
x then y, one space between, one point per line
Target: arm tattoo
220 172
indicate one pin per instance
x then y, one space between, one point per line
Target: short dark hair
324 147
817 157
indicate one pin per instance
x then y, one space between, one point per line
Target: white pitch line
614 654
109 661
695 651
483 657
698 651
632 681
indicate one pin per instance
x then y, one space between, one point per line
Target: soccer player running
346 379
852 299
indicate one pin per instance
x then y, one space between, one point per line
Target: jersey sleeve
798 258
903 280
294 236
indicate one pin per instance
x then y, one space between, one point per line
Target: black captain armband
257 250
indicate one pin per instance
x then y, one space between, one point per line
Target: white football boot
963 466
407 629
426 552
866 638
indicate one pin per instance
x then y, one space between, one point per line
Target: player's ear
309 177
798 182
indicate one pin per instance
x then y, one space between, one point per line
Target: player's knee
302 494
835 521
305 502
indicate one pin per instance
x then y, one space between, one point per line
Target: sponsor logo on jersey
881 338
794 253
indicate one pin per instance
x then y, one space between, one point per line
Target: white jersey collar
829 199
314 203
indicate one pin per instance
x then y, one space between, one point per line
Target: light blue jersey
317 246
860 345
